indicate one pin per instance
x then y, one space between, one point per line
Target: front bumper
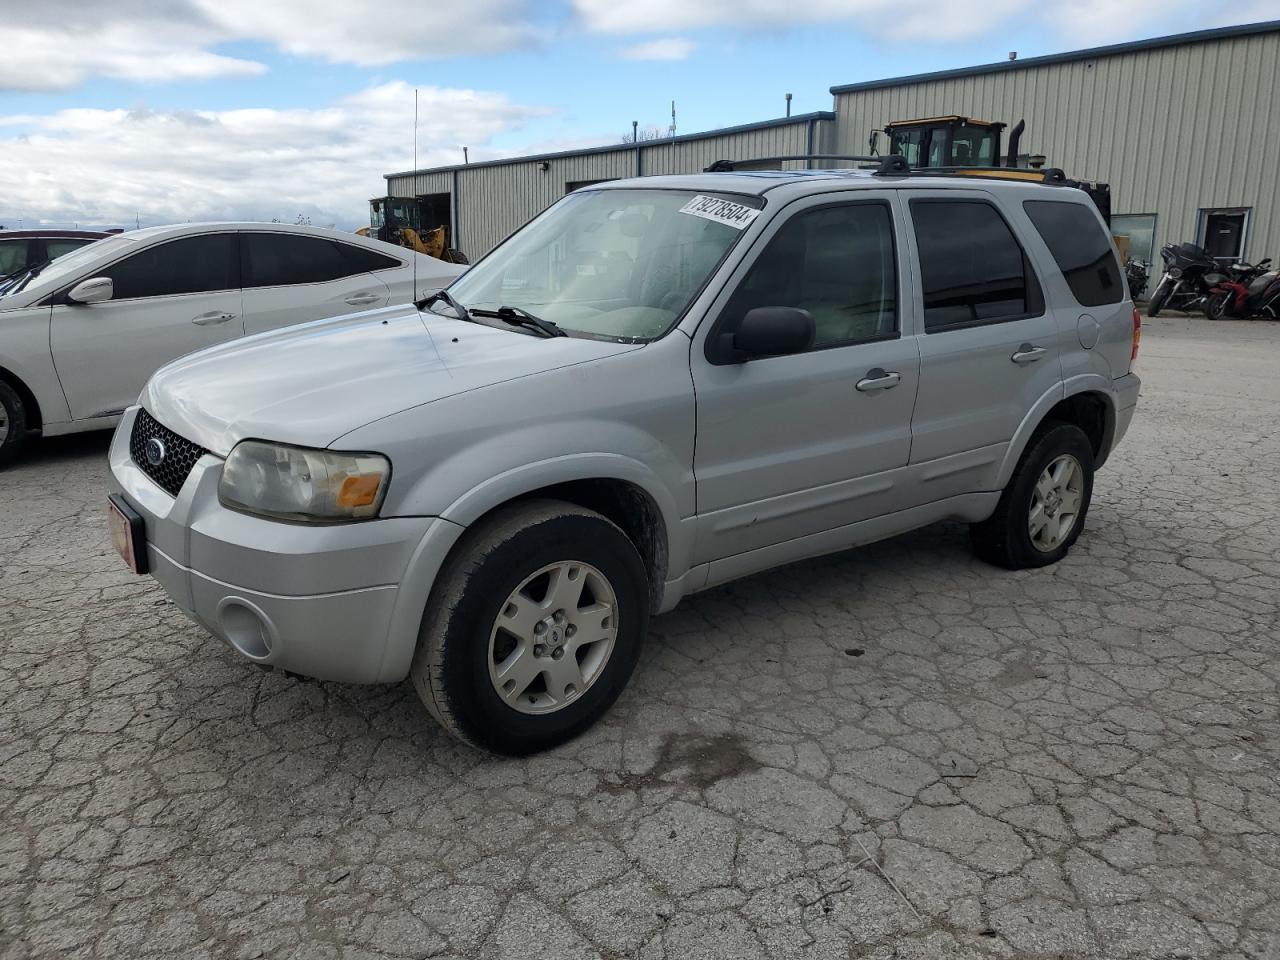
324 601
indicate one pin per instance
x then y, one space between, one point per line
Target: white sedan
80 336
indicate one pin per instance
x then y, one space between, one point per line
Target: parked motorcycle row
1193 280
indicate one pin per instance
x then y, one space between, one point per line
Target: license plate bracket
128 533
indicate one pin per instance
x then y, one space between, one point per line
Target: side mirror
772 332
94 290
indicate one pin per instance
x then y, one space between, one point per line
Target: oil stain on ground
688 759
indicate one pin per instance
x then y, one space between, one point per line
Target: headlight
310 486
1175 272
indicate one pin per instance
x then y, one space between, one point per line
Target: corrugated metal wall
1173 130
495 199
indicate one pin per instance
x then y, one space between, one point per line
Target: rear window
365 260
1081 249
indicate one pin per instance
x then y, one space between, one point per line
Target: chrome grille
180 455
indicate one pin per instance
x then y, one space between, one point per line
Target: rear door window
973 269
1081 249
283 259
200 264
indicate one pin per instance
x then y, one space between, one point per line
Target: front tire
1044 505
533 628
1159 298
13 424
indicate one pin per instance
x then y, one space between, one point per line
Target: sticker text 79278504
731 214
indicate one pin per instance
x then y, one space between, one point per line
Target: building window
1140 230
1224 232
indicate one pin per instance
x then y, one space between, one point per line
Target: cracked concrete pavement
895 752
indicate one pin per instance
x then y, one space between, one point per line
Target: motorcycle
1135 274
1245 290
1183 285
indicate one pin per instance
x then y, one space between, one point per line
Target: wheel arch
35 416
619 488
1086 403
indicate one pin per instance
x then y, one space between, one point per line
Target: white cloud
376 32
905 18
668 48
57 44
1076 21
103 166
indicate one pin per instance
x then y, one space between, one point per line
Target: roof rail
890 165
1043 175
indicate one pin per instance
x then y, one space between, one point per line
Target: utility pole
464 156
673 119
788 104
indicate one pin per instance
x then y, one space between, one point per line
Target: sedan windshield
610 263
61 269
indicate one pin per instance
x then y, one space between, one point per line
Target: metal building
488 200
1185 128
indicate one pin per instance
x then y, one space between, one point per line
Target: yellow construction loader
973 148
400 220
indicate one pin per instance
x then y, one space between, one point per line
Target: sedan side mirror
94 290
772 332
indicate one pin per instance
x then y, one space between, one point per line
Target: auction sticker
721 211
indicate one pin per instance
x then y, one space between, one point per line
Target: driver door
791 446
167 300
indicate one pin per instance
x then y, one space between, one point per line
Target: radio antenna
415 180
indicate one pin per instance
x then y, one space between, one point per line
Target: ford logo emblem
154 451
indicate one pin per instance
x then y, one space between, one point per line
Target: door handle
878 379
1028 353
359 299
205 319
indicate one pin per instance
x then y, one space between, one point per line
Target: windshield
611 263
66 266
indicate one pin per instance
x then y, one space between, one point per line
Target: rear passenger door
292 278
989 350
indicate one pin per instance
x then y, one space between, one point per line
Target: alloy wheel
552 637
1055 503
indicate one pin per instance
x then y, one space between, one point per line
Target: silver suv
656 386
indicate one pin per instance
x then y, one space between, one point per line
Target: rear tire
1158 299
13 424
511 662
1043 507
1218 306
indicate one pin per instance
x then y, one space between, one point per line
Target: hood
312 383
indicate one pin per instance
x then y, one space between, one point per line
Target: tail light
1137 335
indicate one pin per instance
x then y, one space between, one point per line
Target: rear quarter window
1081 249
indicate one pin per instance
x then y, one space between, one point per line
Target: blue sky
195 109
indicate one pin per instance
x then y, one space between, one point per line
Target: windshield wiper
445 297
523 318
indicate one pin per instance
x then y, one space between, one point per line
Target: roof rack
891 165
